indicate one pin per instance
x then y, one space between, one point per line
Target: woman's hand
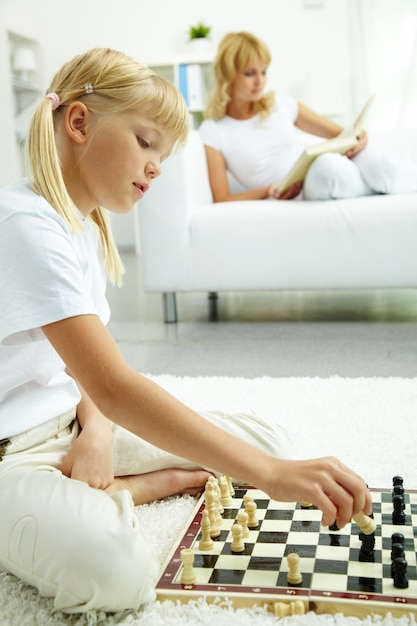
290 193
362 143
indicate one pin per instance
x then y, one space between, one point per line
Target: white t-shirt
47 274
258 152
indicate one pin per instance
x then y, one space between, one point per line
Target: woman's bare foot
146 488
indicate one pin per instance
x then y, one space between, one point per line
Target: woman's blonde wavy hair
119 84
236 52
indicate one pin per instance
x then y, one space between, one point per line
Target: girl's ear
76 121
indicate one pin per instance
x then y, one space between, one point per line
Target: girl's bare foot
146 488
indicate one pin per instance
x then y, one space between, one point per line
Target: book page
341 144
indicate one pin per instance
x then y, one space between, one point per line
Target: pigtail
43 165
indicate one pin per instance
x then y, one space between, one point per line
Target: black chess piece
398 515
398 490
366 552
397 480
400 573
397 552
397 538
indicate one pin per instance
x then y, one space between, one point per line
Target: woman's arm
311 122
147 410
220 185
315 124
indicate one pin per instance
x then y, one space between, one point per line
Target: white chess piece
188 576
206 542
225 497
238 544
251 508
242 519
294 576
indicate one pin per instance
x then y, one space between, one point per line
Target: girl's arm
220 185
90 458
147 410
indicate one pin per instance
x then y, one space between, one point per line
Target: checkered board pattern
333 578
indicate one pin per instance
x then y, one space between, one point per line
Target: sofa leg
169 303
213 298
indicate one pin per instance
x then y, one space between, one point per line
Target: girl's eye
142 142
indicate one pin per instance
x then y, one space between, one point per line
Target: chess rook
188 576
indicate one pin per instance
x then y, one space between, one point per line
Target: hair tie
55 100
89 88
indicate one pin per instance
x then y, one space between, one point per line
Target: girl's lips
141 189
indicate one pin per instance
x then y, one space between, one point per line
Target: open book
341 144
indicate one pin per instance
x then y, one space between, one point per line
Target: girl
85 438
252 135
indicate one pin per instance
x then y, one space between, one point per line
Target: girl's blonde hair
236 52
108 82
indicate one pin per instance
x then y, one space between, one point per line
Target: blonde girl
83 437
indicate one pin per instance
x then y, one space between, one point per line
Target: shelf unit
24 84
26 88
173 70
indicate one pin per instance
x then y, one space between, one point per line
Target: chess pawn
397 552
225 497
206 542
282 609
237 541
247 498
400 573
294 577
397 480
250 508
242 519
398 515
188 576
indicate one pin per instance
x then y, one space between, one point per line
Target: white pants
370 172
80 545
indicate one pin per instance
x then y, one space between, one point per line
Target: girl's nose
152 169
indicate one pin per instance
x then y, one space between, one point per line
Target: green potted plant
199 31
198 36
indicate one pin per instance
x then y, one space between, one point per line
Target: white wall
302 34
299 37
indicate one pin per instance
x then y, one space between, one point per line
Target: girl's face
249 83
118 161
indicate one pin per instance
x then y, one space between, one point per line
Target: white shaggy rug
369 423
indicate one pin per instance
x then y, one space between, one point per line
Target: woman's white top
258 152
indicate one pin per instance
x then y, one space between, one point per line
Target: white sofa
188 243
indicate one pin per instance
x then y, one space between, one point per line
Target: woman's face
249 82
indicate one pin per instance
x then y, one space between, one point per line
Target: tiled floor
280 334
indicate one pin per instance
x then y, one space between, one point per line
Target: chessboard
334 579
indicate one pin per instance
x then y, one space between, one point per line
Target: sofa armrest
165 213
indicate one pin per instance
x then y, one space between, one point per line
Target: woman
253 135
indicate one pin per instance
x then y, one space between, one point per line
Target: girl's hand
363 141
288 194
90 458
325 482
